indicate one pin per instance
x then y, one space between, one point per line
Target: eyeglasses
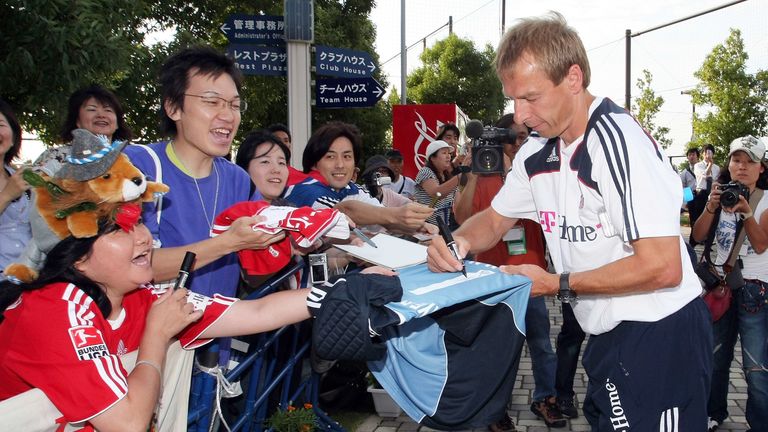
219 103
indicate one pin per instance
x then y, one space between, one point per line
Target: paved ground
521 395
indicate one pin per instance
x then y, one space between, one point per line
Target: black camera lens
487 159
729 198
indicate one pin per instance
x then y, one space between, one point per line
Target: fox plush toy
94 181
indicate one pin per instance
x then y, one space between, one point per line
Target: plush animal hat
95 182
91 156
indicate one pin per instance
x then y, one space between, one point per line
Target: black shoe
548 411
504 425
712 425
568 407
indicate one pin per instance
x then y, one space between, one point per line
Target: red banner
415 126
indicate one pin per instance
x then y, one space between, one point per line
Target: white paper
392 252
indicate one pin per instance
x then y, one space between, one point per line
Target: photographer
376 177
747 314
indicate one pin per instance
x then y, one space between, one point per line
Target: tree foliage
52 47
645 108
738 100
454 71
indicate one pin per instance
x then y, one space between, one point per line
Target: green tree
645 108
454 71
738 100
52 47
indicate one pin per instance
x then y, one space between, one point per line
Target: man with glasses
201 109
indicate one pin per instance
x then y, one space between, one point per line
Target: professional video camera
730 192
488 147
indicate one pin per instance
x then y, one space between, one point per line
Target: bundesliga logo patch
88 342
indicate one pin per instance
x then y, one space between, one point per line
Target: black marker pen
186 267
445 233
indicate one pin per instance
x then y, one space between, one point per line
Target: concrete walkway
519 408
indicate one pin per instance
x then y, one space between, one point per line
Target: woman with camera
436 186
729 207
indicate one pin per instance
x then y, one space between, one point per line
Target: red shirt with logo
487 187
56 339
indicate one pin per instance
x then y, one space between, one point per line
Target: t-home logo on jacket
88 342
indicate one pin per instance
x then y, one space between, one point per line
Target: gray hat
374 163
91 156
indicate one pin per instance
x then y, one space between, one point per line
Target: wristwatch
566 294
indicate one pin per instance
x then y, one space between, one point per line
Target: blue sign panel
259 60
342 62
254 29
347 92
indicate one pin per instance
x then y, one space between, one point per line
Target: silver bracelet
149 363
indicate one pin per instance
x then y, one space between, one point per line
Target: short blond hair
549 39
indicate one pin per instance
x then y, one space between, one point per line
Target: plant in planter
382 401
294 419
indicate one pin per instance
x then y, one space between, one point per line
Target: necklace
208 220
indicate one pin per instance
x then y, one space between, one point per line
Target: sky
671 54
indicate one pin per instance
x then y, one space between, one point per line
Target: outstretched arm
256 316
239 236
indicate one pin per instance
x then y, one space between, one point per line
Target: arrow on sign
343 62
347 92
254 29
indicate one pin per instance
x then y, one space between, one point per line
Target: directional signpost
347 92
342 62
257 44
255 29
259 60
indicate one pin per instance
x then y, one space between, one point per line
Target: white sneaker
712 425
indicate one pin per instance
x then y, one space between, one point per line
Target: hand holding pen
445 233
363 237
186 268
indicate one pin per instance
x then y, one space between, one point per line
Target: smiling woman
95 109
15 230
265 157
64 332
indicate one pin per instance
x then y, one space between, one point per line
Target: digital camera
730 193
318 268
381 180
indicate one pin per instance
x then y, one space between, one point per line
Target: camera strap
741 233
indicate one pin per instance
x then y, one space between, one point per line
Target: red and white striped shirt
56 339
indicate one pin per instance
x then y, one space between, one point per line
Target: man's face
452 139
539 103
282 136
511 149
397 166
692 159
708 155
337 166
204 123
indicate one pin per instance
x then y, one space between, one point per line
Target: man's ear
575 78
172 111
